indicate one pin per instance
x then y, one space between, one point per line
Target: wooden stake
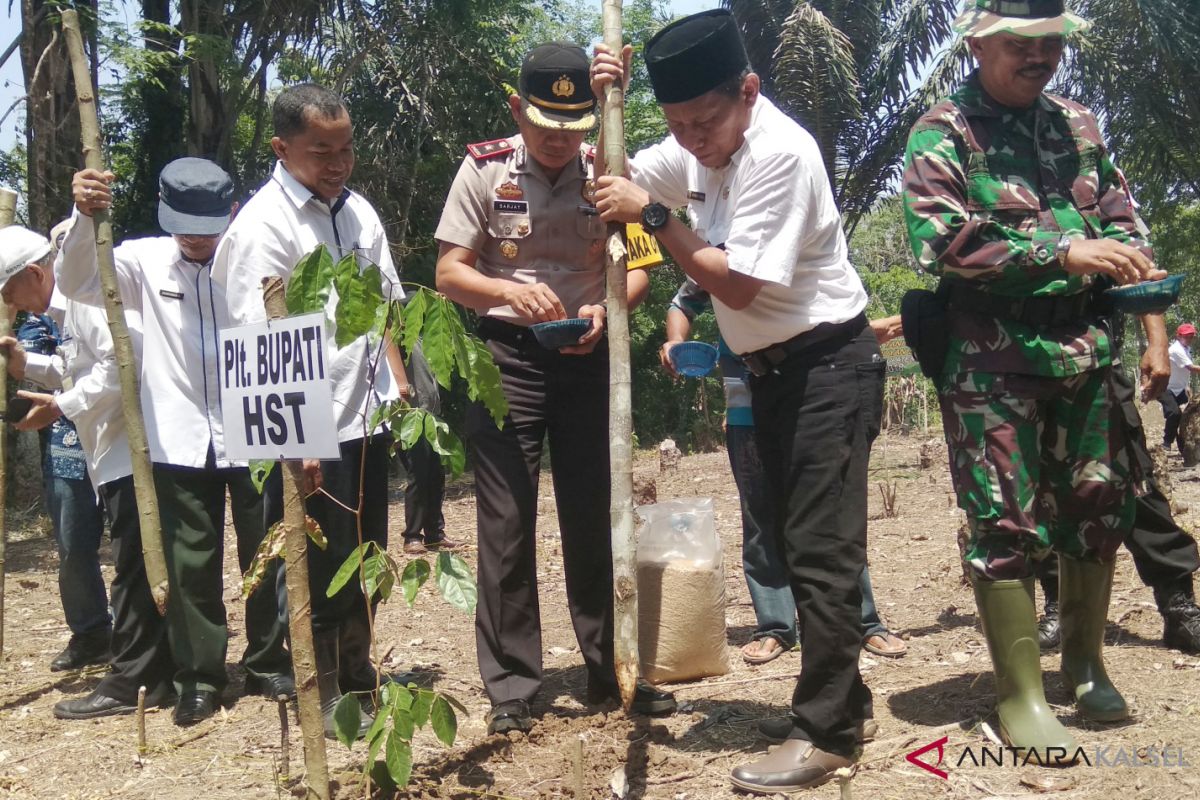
127 367
620 404
141 721
8 210
295 550
285 743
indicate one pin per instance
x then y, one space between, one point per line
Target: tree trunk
52 129
8 208
620 413
207 120
304 664
135 427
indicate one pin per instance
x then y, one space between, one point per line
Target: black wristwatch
655 216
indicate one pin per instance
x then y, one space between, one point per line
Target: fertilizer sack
681 592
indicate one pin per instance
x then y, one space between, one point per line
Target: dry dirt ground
945 679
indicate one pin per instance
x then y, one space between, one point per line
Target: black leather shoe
195 706
93 706
1181 624
511 715
646 699
82 650
777 729
1049 635
271 686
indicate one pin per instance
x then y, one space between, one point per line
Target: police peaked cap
555 89
695 55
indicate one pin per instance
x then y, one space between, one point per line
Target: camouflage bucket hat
1019 17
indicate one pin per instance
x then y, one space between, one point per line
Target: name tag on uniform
170 295
697 196
511 206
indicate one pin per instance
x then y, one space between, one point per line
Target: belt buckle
756 364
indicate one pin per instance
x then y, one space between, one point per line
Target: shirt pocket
510 219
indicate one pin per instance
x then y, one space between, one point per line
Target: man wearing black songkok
766 242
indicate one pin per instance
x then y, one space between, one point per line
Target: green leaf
437 339
270 549
402 724
308 288
446 444
375 735
347 570
259 472
347 716
483 380
422 703
359 296
445 724
399 760
412 425
416 572
455 581
315 534
414 318
401 697
378 576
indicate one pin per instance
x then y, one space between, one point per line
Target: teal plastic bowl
1150 297
560 332
693 359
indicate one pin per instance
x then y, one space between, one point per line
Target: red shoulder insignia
485 150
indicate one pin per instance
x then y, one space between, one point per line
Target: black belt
506 332
761 362
1039 312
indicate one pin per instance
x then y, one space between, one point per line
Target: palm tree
1138 68
857 74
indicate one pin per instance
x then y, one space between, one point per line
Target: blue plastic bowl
693 359
1150 297
560 332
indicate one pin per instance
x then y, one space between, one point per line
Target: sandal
886 644
753 654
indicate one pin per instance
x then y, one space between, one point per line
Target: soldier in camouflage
1011 198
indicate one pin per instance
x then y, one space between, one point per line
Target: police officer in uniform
521 243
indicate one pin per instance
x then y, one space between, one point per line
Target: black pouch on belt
926 328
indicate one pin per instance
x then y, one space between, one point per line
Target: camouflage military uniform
1036 449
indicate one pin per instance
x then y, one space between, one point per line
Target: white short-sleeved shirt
1181 359
772 210
278 226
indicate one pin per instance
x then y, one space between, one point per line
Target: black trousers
815 418
341 479
423 493
141 655
564 398
1171 402
1165 555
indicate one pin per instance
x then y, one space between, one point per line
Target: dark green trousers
192 505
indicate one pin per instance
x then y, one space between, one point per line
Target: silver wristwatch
1061 249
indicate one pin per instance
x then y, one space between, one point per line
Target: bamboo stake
8 210
131 405
295 550
620 404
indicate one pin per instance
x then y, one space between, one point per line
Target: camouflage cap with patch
1020 17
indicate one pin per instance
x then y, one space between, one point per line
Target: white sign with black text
275 392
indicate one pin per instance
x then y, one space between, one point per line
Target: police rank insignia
523 229
563 87
509 191
509 249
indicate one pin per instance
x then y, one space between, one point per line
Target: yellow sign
643 248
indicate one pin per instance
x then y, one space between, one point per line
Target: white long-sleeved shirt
276 228
93 401
181 310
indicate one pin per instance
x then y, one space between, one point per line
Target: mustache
1035 71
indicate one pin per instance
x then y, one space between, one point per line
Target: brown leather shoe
443 543
794 765
414 547
886 644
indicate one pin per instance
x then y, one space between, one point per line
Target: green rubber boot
1084 591
1009 618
